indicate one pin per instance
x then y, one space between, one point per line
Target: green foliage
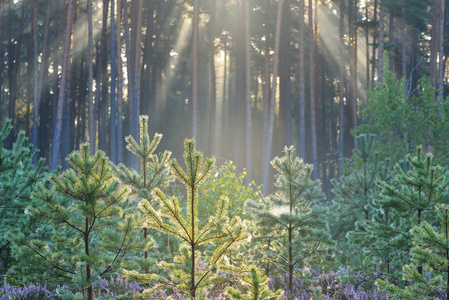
356 191
430 254
257 287
192 269
407 200
154 172
403 123
225 182
292 212
18 175
86 229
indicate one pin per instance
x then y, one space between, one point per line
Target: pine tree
18 175
431 253
258 287
84 234
290 212
407 200
191 268
355 191
154 170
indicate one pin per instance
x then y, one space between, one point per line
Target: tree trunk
195 88
373 62
56 144
312 92
92 127
341 83
367 47
249 151
284 78
119 84
441 13
269 140
137 11
352 12
113 116
13 67
213 79
302 107
43 70
380 66
35 79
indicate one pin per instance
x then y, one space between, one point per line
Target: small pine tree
355 192
83 235
301 226
154 170
191 270
407 200
257 287
431 253
18 175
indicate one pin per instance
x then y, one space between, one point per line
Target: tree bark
249 151
213 79
380 66
269 141
302 107
195 83
43 70
312 92
441 13
90 46
341 84
119 85
61 96
113 115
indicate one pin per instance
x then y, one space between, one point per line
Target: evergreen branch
48 261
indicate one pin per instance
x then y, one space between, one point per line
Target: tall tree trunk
195 88
312 92
213 83
56 144
380 66
373 58
269 140
441 14
137 11
2 5
119 84
90 46
15 46
103 100
341 83
284 77
148 94
43 70
368 78
35 79
249 150
353 65
302 107
113 116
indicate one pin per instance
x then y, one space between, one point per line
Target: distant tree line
244 78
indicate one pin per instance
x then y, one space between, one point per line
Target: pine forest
224 149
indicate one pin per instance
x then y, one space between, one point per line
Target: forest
224 149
